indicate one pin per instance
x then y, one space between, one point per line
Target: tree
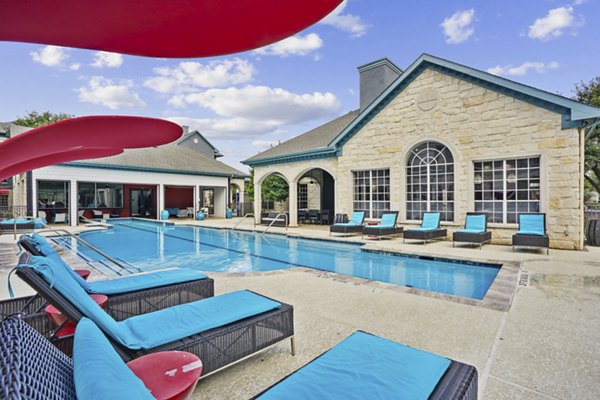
274 188
33 119
250 188
589 93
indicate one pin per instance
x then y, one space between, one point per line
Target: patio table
69 327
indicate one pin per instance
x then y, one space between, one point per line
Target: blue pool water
145 246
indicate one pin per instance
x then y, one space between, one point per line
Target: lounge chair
430 229
275 218
475 230
387 226
182 213
532 232
220 330
60 218
364 366
7 226
32 368
97 214
355 224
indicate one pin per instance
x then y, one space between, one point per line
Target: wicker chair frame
473 238
424 235
531 240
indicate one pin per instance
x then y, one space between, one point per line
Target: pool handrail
242 220
287 222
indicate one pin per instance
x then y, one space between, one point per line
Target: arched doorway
316 197
275 193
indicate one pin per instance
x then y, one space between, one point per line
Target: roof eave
289 156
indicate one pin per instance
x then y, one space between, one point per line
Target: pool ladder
287 222
243 219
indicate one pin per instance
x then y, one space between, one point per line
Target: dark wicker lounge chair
355 224
367 366
276 219
217 346
22 226
387 226
532 232
475 230
430 229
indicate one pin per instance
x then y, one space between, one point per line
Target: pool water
146 246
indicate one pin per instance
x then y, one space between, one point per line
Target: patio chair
475 231
355 224
220 330
313 216
275 218
364 366
325 217
32 368
532 232
60 218
302 216
386 227
97 214
7 226
182 213
115 213
429 229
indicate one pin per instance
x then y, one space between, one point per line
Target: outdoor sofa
274 218
429 229
7 226
32 368
532 232
475 230
364 366
220 330
355 224
386 227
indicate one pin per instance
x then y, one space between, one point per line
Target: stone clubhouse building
440 136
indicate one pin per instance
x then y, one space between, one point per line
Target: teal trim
148 169
295 157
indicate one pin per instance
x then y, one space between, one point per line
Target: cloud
520 70
458 28
294 45
105 92
227 128
75 66
352 24
554 24
104 59
265 144
50 56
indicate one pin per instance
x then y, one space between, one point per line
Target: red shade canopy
159 28
81 138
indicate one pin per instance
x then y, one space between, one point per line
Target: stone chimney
375 77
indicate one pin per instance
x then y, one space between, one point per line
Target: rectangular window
506 188
3 202
99 195
372 192
302 196
52 194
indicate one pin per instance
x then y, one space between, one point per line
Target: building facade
448 138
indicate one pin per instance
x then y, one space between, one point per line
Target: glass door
208 200
141 203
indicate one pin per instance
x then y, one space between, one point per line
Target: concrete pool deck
546 346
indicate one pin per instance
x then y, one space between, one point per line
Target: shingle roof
167 158
311 140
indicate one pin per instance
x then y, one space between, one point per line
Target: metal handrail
242 220
80 240
275 220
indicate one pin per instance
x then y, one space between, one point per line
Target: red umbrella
159 28
80 138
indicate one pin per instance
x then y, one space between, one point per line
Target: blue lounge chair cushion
358 217
364 366
421 229
475 223
430 221
531 224
388 221
144 281
99 372
471 230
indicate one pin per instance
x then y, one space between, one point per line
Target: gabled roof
201 137
574 114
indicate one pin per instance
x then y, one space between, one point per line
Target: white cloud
227 128
105 92
50 56
457 27
265 144
520 70
294 45
189 76
553 24
350 23
75 66
104 59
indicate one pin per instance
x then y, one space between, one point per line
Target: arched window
430 181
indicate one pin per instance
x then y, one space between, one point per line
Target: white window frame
371 212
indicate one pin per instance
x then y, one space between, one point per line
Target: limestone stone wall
477 124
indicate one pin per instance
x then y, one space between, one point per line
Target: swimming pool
145 246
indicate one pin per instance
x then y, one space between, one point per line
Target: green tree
250 188
274 188
589 93
33 119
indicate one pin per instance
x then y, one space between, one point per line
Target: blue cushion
388 221
145 281
99 372
475 223
154 329
471 230
421 229
531 224
364 366
358 217
39 223
430 220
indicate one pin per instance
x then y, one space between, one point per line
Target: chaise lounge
275 219
364 366
220 330
532 232
355 224
386 227
475 231
430 229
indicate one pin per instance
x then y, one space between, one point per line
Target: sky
246 102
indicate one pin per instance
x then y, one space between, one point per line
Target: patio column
73 203
161 199
293 202
257 202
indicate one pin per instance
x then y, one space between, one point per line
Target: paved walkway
546 346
